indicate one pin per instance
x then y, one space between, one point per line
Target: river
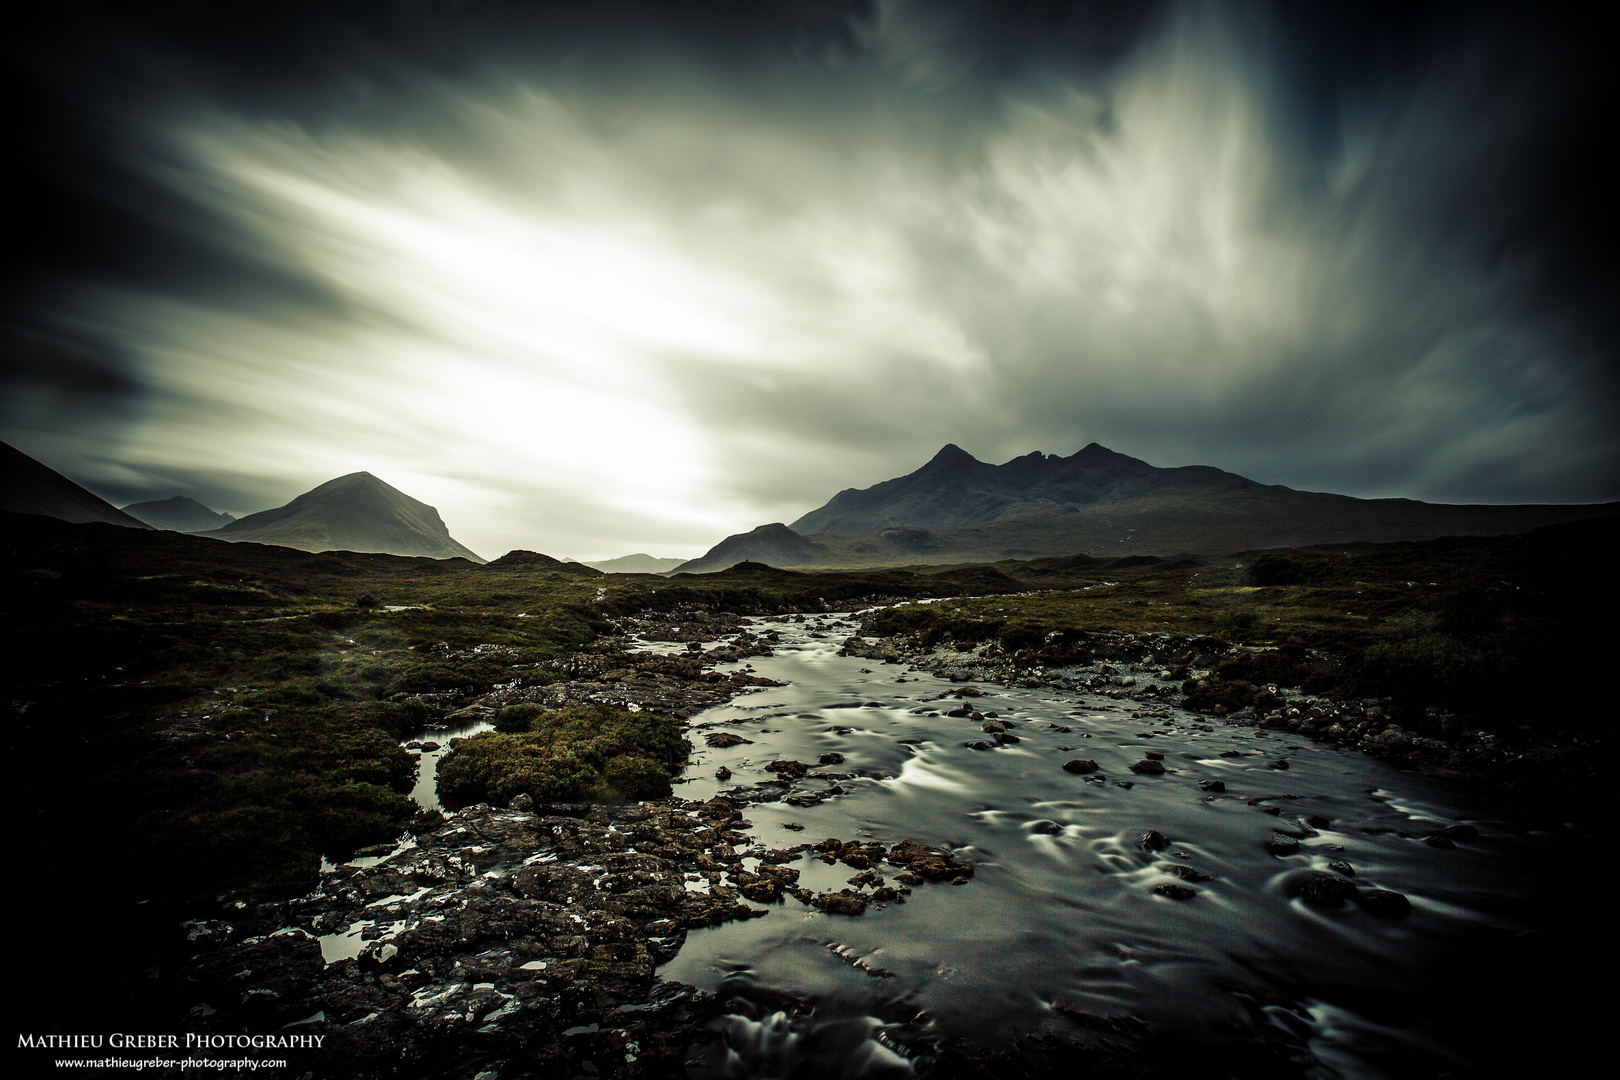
1070 915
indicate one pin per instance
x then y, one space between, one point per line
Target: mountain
774 545
639 563
179 514
957 509
521 559
357 512
29 487
956 489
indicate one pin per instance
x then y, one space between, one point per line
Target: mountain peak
774 544
950 453
950 458
355 512
955 489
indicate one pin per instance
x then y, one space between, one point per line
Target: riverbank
1263 686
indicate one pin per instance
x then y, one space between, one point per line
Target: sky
618 277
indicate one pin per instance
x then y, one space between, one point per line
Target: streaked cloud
597 306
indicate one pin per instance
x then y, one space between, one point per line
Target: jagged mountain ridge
955 489
28 486
774 544
357 512
179 514
957 509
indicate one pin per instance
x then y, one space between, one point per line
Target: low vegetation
234 712
1474 625
595 752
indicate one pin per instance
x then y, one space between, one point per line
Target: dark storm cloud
585 276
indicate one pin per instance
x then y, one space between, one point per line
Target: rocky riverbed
881 843
523 941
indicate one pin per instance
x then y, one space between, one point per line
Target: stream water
1062 914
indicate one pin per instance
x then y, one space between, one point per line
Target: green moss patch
578 752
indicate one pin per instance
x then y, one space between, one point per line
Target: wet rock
1045 827
1080 765
1154 755
932 863
760 888
1175 891
1184 872
1439 840
1339 866
724 739
722 773
843 902
1213 785
1282 844
832 759
1153 840
1460 833
1148 767
1280 763
788 770
1321 890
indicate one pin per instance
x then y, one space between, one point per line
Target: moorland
195 725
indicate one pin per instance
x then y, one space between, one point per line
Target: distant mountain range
357 512
30 487
956 489
638 563
179 514
957 509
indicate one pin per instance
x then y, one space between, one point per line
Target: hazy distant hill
357 512
521 559
638 563
774 545
179 514
959 509
29 487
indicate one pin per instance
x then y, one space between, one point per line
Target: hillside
30 487
179 514
774 544
357 512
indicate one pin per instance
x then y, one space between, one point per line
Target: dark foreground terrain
194 725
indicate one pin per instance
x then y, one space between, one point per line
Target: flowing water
1062 915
